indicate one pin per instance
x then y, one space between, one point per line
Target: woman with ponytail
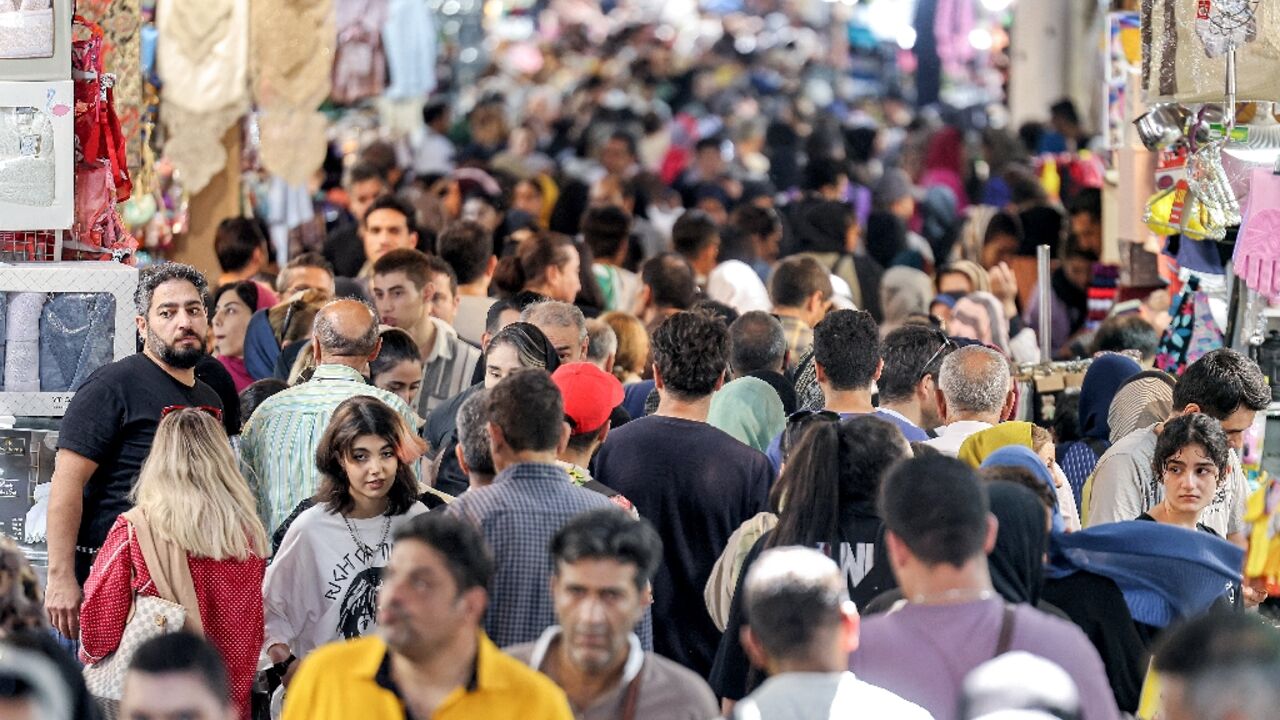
825 498
546 264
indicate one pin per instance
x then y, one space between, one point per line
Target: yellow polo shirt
352 680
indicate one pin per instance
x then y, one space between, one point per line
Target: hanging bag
176 608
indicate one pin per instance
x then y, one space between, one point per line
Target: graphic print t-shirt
322 586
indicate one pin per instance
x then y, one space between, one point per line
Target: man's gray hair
153 276
793 595
602 341
974 379
473 433
554 313
335 344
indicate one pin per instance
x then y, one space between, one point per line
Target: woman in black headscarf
1016 563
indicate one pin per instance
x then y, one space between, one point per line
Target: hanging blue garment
409 41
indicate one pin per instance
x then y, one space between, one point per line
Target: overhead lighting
980 39
906 38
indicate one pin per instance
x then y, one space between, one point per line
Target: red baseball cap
590 395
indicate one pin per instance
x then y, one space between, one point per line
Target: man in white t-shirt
975 391
802 628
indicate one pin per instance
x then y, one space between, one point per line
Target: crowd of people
653 391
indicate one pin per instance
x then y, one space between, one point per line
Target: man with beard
107 431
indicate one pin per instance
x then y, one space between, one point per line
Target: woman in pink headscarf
944 164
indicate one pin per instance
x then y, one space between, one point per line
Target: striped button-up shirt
278 445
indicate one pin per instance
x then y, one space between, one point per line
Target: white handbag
150 617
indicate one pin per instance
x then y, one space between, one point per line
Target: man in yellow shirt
429 659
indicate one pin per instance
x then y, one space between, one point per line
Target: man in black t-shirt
108 428
695 483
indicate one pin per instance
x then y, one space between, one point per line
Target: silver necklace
360 545
953 596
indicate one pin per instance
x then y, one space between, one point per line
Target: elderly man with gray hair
563 324
975 392
278 446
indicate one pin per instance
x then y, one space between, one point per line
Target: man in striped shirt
403 290
278 446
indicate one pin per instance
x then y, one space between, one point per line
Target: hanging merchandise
1187 49
202 60
37 151
1257 252
120 21
1191 333
293 51
359 65
409 37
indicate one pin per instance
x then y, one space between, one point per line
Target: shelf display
54 338
37 153
35 39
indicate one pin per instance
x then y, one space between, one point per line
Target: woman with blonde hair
322 585
633 346
192 537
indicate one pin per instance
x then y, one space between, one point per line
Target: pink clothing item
239 373
266 296
229 593
944 164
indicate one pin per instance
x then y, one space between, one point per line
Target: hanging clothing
1191 334
202 58
409 40
359 66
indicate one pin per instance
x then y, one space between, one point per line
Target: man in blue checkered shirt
530 499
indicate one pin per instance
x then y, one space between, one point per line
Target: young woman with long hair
193 514
322 585
825 498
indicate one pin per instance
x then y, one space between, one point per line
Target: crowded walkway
649 374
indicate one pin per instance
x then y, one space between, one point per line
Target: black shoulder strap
1006 630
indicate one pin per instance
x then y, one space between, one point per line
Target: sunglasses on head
946 345
799 420
216 412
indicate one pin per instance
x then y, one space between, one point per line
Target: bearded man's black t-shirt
112 420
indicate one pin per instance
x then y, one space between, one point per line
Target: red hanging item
98 134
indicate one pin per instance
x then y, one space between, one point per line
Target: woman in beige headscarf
1144 400
963 277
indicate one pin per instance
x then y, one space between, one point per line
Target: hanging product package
37 155
1257 253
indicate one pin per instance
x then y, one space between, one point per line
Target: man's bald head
346 329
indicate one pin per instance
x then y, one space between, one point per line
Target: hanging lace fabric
202 58
292 62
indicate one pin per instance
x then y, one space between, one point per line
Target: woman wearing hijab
1106 375
1020 454
1141 401
944 164
1016 563
748 409
904 292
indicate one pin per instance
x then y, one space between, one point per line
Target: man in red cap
590 395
